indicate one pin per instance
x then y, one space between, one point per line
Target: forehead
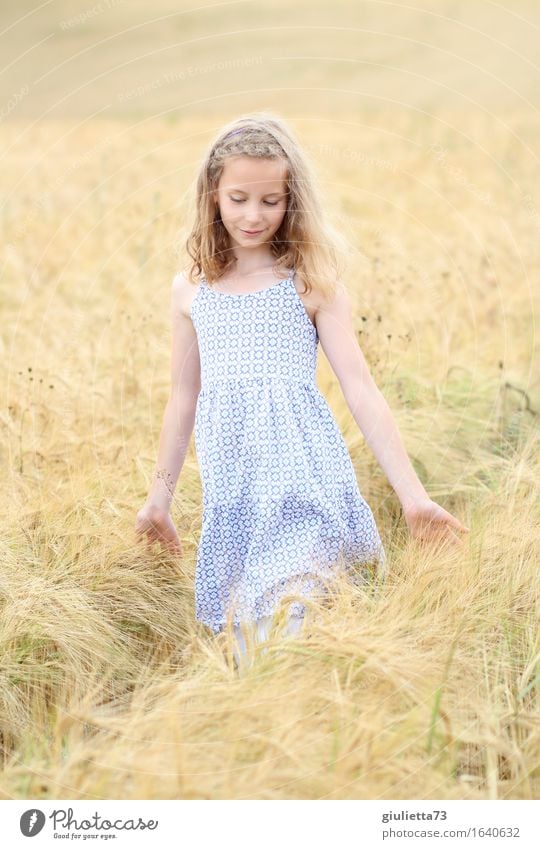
251 173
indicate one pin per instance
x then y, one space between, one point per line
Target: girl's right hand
156 525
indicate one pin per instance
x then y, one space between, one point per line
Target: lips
252 232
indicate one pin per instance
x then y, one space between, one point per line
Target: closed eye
267 202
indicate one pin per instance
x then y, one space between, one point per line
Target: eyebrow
242 192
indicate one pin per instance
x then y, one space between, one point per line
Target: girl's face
251 198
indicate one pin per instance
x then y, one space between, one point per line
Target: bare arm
179 416
425 518
364 399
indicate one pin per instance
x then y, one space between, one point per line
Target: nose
252 217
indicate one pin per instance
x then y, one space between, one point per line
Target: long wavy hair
305 241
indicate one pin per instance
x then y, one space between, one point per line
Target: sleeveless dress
281 504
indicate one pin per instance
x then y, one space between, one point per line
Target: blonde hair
305 240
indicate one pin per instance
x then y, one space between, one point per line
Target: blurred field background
422 120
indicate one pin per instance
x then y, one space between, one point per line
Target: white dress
281 504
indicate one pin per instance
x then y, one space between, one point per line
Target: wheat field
422 123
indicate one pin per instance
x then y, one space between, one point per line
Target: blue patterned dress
281 504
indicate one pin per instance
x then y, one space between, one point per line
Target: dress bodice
263 334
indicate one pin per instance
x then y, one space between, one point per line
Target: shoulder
182 293
181 283
332 299
335 310
339 297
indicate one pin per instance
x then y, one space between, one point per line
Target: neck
250 261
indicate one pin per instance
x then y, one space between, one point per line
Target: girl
281 505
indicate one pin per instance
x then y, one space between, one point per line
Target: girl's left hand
427 520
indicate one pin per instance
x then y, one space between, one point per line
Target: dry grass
422 685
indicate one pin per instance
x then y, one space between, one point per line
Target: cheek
278 216
231 210
224 213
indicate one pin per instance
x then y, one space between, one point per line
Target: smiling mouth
252 232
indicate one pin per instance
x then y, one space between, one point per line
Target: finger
459 527
164 539
434 535
455 523
174 541
447 526
445 535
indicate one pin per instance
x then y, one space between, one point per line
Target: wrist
158 503
411 499
159 497
162 490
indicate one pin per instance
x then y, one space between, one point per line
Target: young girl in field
281 504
